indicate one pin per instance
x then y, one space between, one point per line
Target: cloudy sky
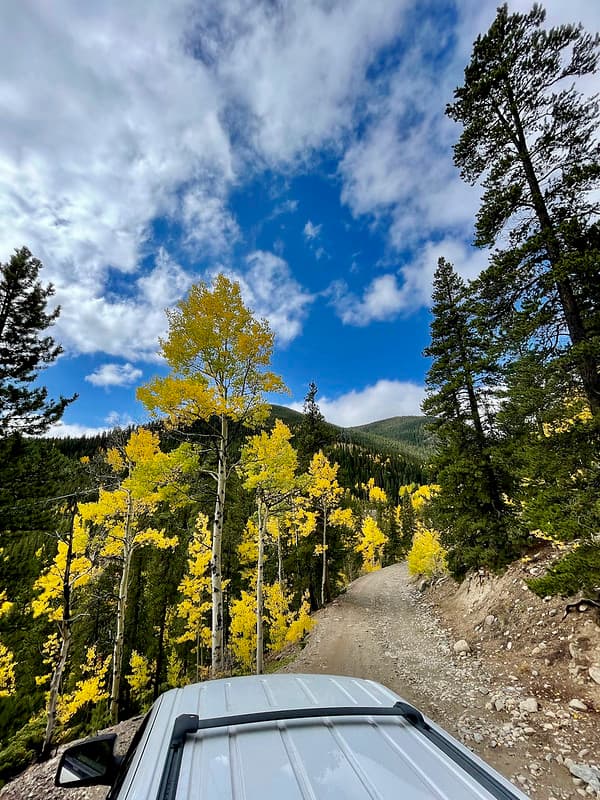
301 147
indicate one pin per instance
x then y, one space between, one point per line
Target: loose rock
529 706
462 646
577 705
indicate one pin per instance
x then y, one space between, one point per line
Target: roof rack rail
191 723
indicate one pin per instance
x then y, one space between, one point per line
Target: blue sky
300 147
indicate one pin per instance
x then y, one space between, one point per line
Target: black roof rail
191 723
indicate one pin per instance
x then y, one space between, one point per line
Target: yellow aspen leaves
426 556
218 354
242 630
195 586
5 605
370 545
140 676
7 672
324 487
301 623
70 564
91 688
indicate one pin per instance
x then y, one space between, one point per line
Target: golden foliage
91 688
7 672
370 545
218 354
323 487
195 585
140 676
74 570
426 556
242 630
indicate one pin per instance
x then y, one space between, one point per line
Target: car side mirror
88 763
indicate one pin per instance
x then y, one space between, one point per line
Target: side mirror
88 763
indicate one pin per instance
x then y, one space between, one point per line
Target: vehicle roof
338 757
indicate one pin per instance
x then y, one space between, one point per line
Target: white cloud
311 231
381 300
114 375
271 291
128 326
298 69
211 227
118 420
382 400
63 429
391 294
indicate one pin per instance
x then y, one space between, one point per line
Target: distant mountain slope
408 430
394 436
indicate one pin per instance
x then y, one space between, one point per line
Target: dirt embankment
490 662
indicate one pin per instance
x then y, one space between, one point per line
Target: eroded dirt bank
384 628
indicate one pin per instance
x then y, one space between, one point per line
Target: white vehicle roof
349 757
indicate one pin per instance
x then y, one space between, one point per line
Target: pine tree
313 433
470 510
24 350
533 137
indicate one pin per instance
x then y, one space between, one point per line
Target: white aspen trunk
65 635
216 582
121 610
198 653
65 631
324 575
262 523
279 557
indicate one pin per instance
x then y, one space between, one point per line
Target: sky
299 147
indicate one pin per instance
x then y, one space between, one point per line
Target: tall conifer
470 509
24 350
531 138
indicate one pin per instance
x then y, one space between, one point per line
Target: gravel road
383 629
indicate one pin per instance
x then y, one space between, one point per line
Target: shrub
426 556
578 571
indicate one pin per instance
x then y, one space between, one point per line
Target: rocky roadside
544 692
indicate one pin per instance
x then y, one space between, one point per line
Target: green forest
200 544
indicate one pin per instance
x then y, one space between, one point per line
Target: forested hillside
199 545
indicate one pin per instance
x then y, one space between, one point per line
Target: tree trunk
216 581
55 689
587 364
279 558
65 634
262 524
324 573
121 611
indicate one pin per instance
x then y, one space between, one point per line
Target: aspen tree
371 544
325 492
218 354
195 588
59 587
269 465
149 477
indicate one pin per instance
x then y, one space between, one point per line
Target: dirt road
382 629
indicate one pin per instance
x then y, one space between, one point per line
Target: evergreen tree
533 137
469 510
23 348
314 433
